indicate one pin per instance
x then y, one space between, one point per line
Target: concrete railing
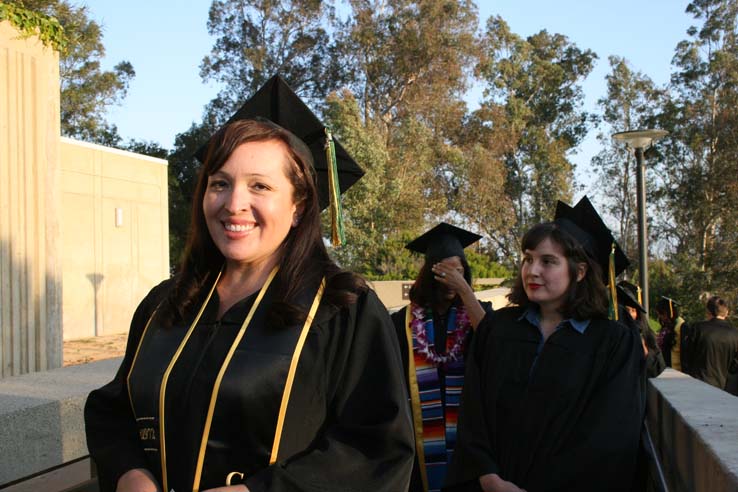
41 421
694 428
695 431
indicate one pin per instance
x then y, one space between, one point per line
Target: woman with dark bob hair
434 331
261 366
552 397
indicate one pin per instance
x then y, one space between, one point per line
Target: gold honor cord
135 358
219 379
163 390
291 373
415 398
611 278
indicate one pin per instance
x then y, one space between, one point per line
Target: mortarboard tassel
334 193
611 285
671 310
640 295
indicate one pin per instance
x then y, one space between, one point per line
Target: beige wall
390 292
108 268
30 251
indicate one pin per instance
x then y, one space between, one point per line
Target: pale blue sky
165 40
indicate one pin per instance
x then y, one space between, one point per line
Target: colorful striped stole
439 408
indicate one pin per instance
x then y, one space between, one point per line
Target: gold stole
216 387
415 398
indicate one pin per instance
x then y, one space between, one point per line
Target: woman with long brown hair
261 366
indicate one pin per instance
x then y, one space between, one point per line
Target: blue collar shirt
533 316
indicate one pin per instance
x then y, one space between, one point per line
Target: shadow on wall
30 312
96 281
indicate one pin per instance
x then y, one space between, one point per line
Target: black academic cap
665 303
586 226
628 295
277 102
443 241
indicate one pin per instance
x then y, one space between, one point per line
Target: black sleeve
655 363
367 444
687 346
487 306
112 434
398 321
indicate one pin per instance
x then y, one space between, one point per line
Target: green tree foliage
408 64
699 165
534 97
87 91
629 104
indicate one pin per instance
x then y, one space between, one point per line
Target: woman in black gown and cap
261 366
552 398
434 331
633 314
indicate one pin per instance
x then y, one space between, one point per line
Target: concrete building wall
393 293
115 233
30 250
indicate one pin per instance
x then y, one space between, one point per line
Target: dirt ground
96 348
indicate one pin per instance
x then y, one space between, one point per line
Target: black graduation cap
277 102
443 241
628 295
665 302
584 223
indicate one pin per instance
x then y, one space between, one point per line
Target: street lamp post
639 141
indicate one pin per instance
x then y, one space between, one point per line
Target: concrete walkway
92 349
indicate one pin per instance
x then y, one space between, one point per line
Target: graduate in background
715 348
434 331
261 366
552 398
669 337
633 314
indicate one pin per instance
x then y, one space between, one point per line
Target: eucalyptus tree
700 159
534 98
408 65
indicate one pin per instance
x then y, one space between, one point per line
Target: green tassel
334 192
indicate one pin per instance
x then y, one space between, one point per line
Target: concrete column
30 246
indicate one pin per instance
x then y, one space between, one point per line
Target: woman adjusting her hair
552 397
261 366
434 331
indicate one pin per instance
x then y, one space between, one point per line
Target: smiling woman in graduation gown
261 366
552 398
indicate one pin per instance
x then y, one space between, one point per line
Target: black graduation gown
715 352
655 363
347 425
571 423
398 319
